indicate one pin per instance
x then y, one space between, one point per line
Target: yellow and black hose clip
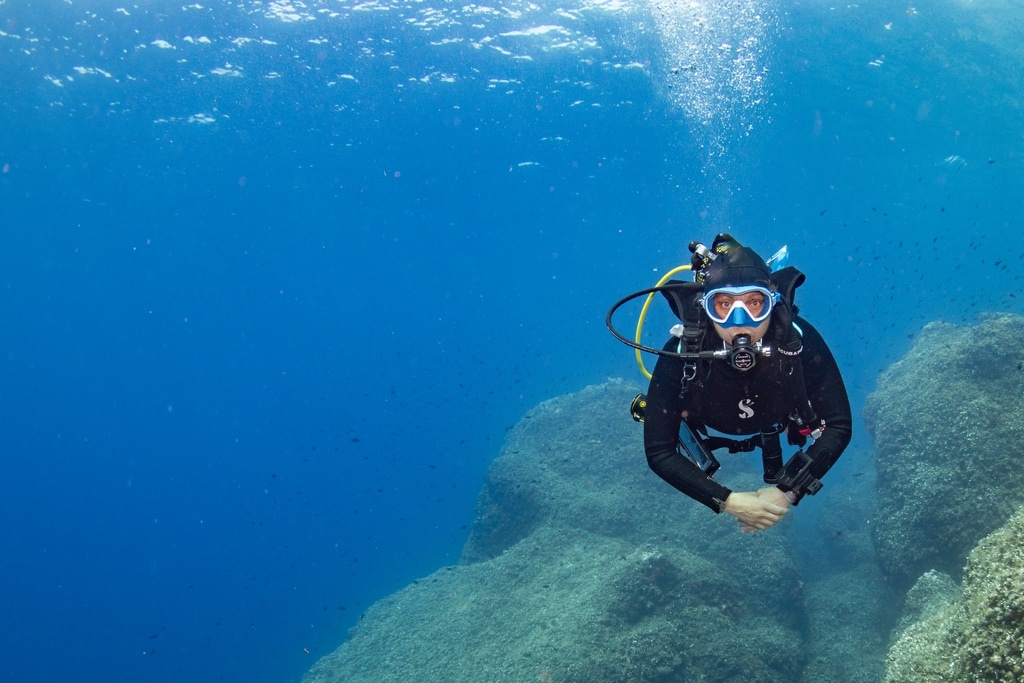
638 407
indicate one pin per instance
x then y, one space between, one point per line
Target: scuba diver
744 365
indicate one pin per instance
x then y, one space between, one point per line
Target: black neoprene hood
737 267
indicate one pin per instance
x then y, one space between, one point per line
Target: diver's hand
773 494
754 512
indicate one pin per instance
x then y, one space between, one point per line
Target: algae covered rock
979 635
574 461
562 606
844 611
931 593
948 428
584 566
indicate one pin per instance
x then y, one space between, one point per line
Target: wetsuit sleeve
827 393
662 419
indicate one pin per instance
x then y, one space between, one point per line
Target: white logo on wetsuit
745 410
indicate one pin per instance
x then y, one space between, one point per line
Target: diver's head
738 296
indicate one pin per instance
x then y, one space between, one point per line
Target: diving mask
747 306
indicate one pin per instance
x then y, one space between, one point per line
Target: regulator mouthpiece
742 355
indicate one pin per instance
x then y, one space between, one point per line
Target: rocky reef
583 566
976 634
948 428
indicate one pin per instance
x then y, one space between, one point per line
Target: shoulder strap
684 300
786 281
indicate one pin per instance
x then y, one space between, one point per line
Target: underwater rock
583 566
844 639
571 462
848 605
932 592
979 635
563 606
948 428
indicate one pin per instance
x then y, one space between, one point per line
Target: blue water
276 278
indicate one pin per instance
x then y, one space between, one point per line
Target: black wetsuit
738 403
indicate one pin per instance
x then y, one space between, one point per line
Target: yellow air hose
643 316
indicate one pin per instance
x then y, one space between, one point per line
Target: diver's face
729 334
736 310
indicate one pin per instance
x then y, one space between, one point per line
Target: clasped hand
757 510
